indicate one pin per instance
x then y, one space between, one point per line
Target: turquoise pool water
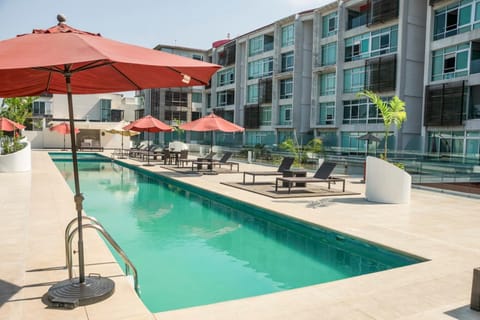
191 250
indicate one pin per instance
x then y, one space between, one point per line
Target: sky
147 23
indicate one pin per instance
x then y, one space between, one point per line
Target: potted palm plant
393 112
387 182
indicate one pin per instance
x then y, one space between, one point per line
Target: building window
286 88
326 113
255 46
371 44
451 62
327 84
38 108
361 111
197 57
476 18
260 44
266 116
176 99
260 68
287 61
196 97
225 98
285 115
384 41
329 54
116 115
354 80
105 110
171 115
329 25
225 77
252 93
357 47
288 35
454 19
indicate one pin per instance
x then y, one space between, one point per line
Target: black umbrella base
70 293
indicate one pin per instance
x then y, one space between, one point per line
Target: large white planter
19 161
386 183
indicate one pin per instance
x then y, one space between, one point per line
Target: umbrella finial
61 18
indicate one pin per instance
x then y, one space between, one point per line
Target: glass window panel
375 43
477 11
462 60
364 45
384 41
437 65
439 27
465 15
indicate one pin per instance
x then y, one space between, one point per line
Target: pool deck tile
443 228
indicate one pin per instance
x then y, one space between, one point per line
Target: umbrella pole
78 198
71 293
64 143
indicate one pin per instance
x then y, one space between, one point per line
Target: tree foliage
393 112
17 109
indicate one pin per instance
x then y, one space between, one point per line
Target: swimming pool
191 250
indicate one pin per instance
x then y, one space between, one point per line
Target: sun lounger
224 161
284 166
200 162
323 174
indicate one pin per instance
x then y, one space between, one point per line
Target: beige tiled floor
36 206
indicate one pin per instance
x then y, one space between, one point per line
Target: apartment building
173 105
452 79
300 76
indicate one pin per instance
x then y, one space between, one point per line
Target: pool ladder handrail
94 224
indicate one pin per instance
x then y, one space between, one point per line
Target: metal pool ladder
94 224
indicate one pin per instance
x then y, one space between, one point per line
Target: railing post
475 298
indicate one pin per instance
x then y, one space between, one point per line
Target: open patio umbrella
211 123
124 133
69 61
368 137
148 124
9 125
63 128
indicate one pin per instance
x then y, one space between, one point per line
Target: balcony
381 73
381 11
252 117
445 104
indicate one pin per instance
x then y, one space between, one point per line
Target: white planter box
386 183
19 161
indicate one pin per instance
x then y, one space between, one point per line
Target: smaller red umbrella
211 123
148 124
63 128
9 125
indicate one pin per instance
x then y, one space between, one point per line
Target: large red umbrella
9 125
211 123
66 60
148 124
63 128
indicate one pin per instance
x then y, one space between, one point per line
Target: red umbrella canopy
211 122
35 63
63 128
9 125
148 124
